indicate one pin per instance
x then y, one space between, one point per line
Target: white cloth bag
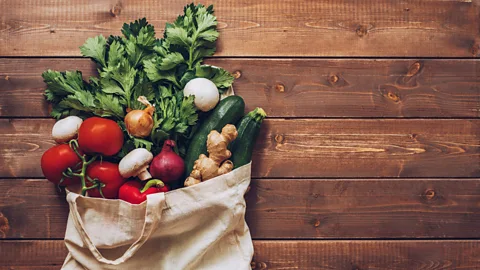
198 227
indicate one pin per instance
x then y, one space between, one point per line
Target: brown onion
139 123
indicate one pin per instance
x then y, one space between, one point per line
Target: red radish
167 166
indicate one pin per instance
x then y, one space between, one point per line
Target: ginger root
217 162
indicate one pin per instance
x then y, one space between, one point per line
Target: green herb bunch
138 64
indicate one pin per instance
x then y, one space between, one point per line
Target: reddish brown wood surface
285 255
308 148
435 163
293 209
297 87
253 28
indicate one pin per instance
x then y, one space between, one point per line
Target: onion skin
167 166
139 123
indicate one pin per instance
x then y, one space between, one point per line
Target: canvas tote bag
197 227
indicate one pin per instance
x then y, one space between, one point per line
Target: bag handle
155 203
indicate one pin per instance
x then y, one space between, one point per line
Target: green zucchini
228 111
248 129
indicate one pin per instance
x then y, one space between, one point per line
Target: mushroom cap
135 162
205 92
66 129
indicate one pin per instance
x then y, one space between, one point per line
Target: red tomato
100 135
108 174
56 160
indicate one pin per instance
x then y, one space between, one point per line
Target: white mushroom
205 92
136 163
66 129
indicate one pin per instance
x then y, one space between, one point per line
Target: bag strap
155 203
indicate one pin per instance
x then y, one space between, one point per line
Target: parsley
138 64
186 43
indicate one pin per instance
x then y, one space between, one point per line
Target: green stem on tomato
92 187
151 183
83 172
90 179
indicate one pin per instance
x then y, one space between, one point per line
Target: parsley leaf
219 76
95 49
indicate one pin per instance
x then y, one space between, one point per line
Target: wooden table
370 158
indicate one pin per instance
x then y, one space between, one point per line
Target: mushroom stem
145 175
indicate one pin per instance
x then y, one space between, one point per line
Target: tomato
56 160
100 135
107 173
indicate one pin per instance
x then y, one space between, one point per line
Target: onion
139 123
167 166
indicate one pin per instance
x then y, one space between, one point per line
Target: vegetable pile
152 120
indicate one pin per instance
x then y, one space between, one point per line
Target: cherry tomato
107 173
100 135
56 160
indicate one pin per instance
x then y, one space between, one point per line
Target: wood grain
292 209
297 87
252 28
394 255
308 148
305 255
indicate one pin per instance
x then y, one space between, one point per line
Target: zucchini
248 129
228 111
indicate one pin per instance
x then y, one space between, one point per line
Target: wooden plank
300 209
394 255
297 87
308 148
32 254
431 255
250 28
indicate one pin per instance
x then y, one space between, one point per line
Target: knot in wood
475 49
280 88
116 10
361 30
394 97
333 79
414 69
317 223
261 266
237 74
4 226
429 194
279 138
